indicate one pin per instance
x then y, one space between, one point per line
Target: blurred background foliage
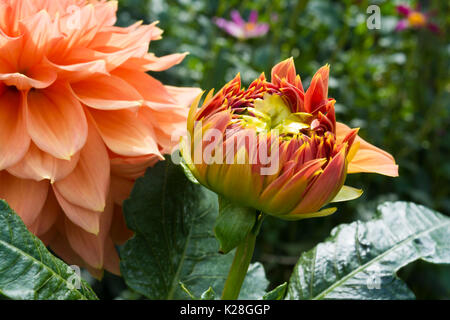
393 85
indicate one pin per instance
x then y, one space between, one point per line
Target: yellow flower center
249 26
417 19
272 113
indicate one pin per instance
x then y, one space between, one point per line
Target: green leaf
360 260
233 224
173 221
255 283
28 270
276 294
208 294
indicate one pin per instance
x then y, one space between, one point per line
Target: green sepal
233 224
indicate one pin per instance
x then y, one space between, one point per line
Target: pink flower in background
414 18
239 28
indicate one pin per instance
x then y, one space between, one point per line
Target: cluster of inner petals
80 120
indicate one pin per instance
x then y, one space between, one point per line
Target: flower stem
241 261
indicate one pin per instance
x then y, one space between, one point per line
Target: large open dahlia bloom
277 148
80 119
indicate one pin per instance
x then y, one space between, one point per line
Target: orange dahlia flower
80 119
277 148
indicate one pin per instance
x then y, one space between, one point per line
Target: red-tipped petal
286 70
325 187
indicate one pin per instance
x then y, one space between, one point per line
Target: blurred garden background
393 85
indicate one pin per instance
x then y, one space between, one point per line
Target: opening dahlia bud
276 148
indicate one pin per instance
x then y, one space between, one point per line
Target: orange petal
14 139
111 261
119 231
47 217
38 77
76 71
61 246
89 246
368 158
38 165
88 184
26 197
317 93
107 93
168 124
183 96
120 189
38 33
124 133
147 86
163 63
325 187
87 219
55 121
284 69
132 167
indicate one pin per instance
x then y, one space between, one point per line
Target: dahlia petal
154 63
26 197
14 139
79 71
61 246
10 51
107 93
168 125
287 196
108 39
120 189
38 77
148 87
91 246
47 217
325 187
285 69
368 158
38 165
183 96
133 167
122 138
119 231
38 34
86 219
55 121
87 185
111 261
88 246
317 93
